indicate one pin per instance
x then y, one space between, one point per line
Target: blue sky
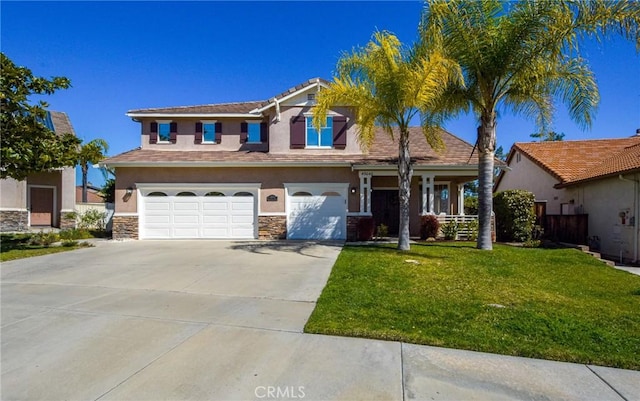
127 55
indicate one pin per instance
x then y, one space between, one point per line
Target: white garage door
187 214
321 217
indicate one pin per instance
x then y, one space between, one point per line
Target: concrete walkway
204 320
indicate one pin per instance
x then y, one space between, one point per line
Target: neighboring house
93 194
44 199
261 170
595 177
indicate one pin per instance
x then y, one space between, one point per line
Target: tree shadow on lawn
392 248
302 247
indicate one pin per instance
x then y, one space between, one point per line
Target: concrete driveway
209 320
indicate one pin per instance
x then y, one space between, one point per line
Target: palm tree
388 84
520 57
90 153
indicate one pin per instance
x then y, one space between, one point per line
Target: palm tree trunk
84 169
486 149
405 172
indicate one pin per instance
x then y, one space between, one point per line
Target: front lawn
558 304
18 246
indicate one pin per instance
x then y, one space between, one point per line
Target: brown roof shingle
238 107
61 123
572 161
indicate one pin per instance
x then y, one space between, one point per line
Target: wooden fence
572 228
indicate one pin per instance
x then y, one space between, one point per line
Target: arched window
157 194
186 193
214 193
243 194
301 193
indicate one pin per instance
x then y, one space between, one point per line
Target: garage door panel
198 217
317 217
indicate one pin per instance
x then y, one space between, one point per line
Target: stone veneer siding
14 220
272 227
125 227
67 220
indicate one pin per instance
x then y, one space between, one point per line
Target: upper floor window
253 135
322 138
209 132
164 132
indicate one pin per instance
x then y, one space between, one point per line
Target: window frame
319 133
162 123
212 123
253 124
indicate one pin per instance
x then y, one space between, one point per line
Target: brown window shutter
244 128
297 132
264 132
339 132
218 132
153 135
173 132
198 137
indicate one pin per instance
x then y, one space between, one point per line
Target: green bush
450 230
92 219
75 233
472 230
471 205
429 226
515 215
43 239
383 231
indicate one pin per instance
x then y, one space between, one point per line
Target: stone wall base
125 227
272 227
14 220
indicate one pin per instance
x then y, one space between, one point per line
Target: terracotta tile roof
384 151
238 107
571 161
61 122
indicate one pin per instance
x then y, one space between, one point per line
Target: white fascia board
194 115
289 96
226 164
191 185
417 168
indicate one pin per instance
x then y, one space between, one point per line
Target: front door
41 206
385 207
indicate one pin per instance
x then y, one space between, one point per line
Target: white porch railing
467 224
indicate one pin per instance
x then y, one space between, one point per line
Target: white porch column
427 193
461 199
365 192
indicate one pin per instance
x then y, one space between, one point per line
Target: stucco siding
13 194
604 201
527 175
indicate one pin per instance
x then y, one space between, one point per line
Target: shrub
383 231
43 239
429 226
471 205
472 230
92 219
515 215
69 243
366 227
450 230
75 233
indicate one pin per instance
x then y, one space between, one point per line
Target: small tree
90 153
28 146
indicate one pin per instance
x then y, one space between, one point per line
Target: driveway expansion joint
607 383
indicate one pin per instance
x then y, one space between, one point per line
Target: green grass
559 304
17 246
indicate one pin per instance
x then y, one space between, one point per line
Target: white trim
392 169
209 122
73 210
196 185
259 122
316 189
311 85
54 217
13 209
306 133
193 115
359 214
